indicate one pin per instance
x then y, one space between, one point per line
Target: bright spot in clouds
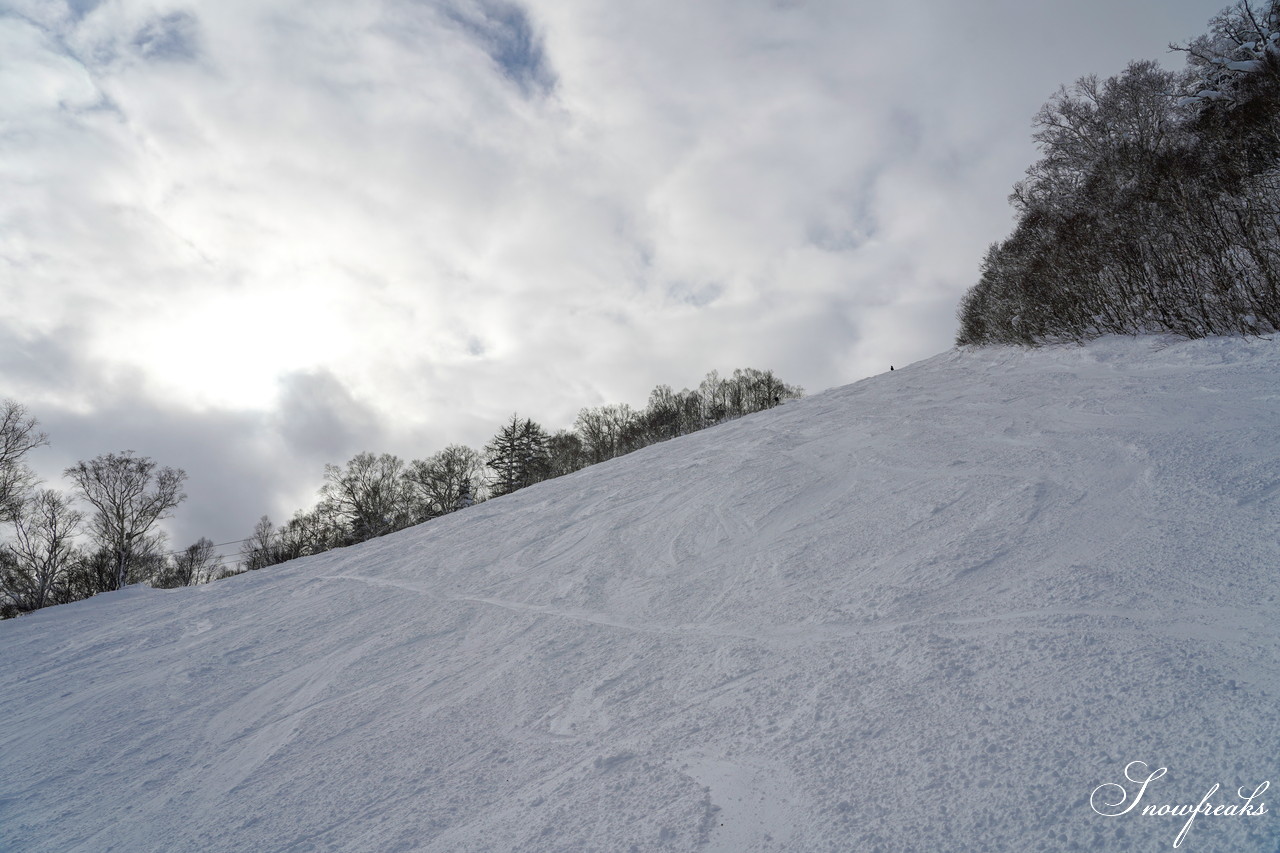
212 349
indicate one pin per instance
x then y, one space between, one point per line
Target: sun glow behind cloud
213 351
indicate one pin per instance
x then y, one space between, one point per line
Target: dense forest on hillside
1155 206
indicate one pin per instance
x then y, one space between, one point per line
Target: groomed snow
933 610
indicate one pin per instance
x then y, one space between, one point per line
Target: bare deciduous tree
262 549
368 496
565 453
129 494
442 482
41 553
198 564
18 437
606 430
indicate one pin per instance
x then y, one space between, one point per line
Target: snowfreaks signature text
1110 799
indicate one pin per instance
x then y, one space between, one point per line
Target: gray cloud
232 477
80 8
173 37
36 362
318 417
240 464
506 33
272 233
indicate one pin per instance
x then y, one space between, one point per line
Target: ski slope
934 610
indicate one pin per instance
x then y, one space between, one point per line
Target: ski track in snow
1209 624
932 610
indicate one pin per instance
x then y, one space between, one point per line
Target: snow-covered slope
934 610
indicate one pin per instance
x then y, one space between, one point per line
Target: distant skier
891 368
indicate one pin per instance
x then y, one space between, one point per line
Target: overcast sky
248 237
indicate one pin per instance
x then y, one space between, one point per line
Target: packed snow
960 606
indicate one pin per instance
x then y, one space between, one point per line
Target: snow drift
939 609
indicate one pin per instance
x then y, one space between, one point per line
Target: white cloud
458 209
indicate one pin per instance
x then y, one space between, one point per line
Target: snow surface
933 610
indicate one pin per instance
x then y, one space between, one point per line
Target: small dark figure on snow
891 368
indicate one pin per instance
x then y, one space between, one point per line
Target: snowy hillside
933 610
